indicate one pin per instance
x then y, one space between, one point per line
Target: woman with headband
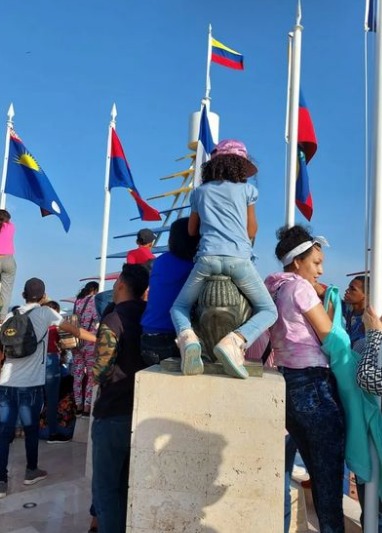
314 414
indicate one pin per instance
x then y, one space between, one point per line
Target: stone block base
207 454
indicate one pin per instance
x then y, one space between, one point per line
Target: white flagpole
106 211
11 114
371 489
290 46
294 94
209 51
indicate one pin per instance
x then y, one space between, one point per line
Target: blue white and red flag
307 146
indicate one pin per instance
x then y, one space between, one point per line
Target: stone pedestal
207 454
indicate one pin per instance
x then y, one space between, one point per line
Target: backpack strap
84 307
27 313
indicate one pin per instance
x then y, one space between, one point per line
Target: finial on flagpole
11 112
113 112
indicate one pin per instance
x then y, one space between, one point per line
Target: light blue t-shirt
222 209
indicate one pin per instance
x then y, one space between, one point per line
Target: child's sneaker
3 489
33 476
230 353
190 352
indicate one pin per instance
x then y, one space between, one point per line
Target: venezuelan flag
226 56
307 146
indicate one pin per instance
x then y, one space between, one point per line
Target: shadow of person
174 476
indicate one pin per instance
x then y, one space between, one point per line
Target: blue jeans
111 458
25 402
52 390
158 346
315 420
245 276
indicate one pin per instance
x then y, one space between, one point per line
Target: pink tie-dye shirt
293 339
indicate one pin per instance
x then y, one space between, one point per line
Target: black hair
289 238
180 243
225 168
136 277
365 282
5 216
89 287
53 305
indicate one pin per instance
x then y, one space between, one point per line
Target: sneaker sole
192 363
58 441
33 481
229 366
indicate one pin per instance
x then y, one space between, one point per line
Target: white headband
288 258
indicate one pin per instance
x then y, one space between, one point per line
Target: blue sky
63 65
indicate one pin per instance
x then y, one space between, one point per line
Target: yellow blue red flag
220 53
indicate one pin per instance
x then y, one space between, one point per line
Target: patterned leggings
83 362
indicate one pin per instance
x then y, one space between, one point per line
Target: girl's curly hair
225 168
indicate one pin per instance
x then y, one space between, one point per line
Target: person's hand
371 319
320 289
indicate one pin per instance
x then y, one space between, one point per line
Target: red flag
307 146
120 176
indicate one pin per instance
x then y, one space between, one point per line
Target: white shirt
30 371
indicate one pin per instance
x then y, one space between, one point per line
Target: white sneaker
299 473
230 353
190 353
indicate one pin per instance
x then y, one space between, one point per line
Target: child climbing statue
223 212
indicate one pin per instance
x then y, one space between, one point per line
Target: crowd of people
147 318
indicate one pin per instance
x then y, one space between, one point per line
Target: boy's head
34 290
355 294
53 305
131 283
145 237
180 243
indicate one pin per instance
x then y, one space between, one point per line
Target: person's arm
251 222
319 319
193 224
320 289
106 354
81 333
369 373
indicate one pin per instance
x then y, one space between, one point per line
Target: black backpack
17 336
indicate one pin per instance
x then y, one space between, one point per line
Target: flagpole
209 51
11 114
290 44
295 69
371 489
106 211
